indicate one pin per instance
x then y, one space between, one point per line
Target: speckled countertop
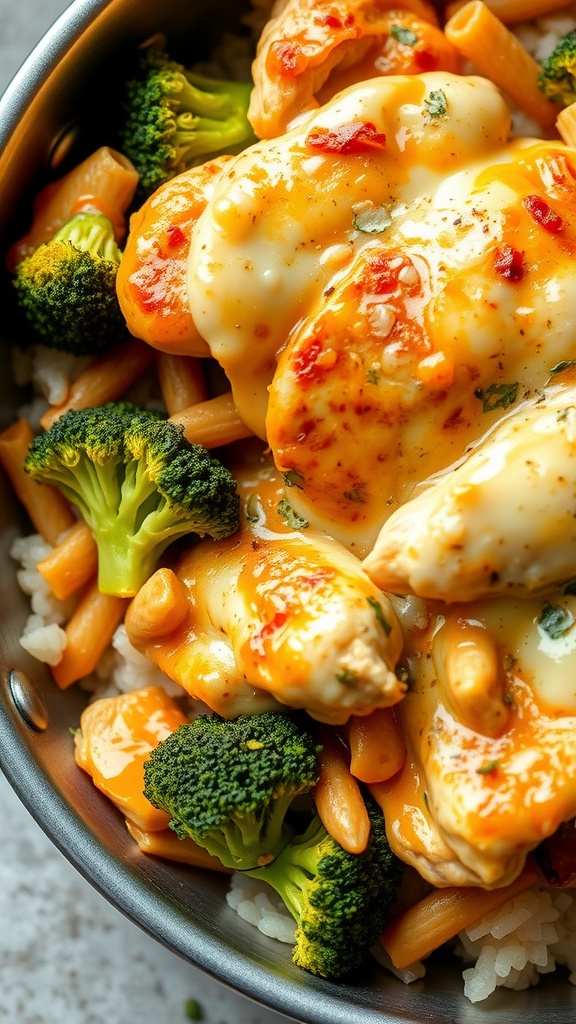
66 955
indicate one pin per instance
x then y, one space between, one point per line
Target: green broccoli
557 78
340 901
175 118
67 287
228 784
138 483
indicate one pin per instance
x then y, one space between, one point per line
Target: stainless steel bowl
59 90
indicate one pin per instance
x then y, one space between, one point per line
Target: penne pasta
377 747
72 562
105 379
88 633
485 41
47 509
181 381
105 181
442 914
566 124
213 423
338 799
512 11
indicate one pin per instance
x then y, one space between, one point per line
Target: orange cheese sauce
115 739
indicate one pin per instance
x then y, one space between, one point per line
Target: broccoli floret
557 78
229 783
138 483
340 901
175 118
67 287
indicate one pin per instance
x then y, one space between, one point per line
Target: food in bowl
348 346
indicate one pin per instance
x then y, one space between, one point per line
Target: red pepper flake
305 361
175 236
286 59
382 274
543 214
258 640
332 21
353 137
509 263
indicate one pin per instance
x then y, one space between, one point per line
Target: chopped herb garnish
378 610
565 364
497 396
404 35
436 103
290 516
569 587
356 494
347 677
555 620
371 219
562 413
193 1010
425 798
292 478
372 375
488 767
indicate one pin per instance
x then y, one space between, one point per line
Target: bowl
42 115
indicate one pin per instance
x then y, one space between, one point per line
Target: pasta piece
213 423
165 843
105 181
338 799
71 563
47 509
511 11
438 917
566 124
377 747
469 666
105 379
483 39
88 634
181 381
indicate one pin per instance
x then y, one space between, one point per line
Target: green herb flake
436 103
425 798
497 396
356 494
565 364
193 1010
291 517
372 375
569 587
370 219
347 677
378 611
488 767
555 620
404 35
292 478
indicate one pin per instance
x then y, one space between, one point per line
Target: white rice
526 938
258 904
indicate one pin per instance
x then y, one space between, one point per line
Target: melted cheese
364 305
273 614
280 222
488 799
504 521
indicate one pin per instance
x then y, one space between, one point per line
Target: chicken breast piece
308 51
471 800
503 521
382 284
289 610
